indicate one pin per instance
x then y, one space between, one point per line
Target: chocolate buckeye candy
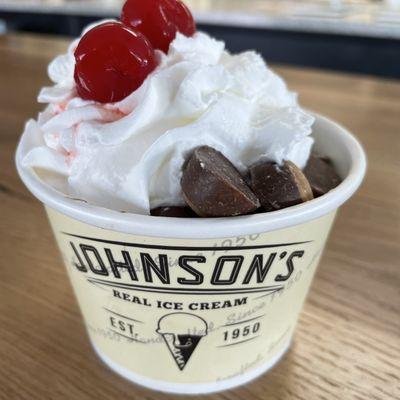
278 186
173 211
321 174
213 187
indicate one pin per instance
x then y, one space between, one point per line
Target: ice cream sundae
136 102
151 131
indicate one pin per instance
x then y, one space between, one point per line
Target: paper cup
196 305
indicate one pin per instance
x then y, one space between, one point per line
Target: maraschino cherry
158 20
112 61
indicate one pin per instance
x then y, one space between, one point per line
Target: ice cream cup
196 305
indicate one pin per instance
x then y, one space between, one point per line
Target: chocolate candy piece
279 187
321 174
213 187
174 212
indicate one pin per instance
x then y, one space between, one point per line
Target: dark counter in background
376 54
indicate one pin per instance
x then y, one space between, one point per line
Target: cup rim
201 228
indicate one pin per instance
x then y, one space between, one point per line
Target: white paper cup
196 305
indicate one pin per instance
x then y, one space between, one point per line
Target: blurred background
361 36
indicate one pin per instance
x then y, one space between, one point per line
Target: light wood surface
347 342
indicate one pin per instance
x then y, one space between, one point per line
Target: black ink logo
269 266
182 332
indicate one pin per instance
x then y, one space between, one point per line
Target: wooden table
347 342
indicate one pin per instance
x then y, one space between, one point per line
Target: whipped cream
128 155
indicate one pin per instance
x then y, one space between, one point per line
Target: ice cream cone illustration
182 333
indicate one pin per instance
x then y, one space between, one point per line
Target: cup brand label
190 310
